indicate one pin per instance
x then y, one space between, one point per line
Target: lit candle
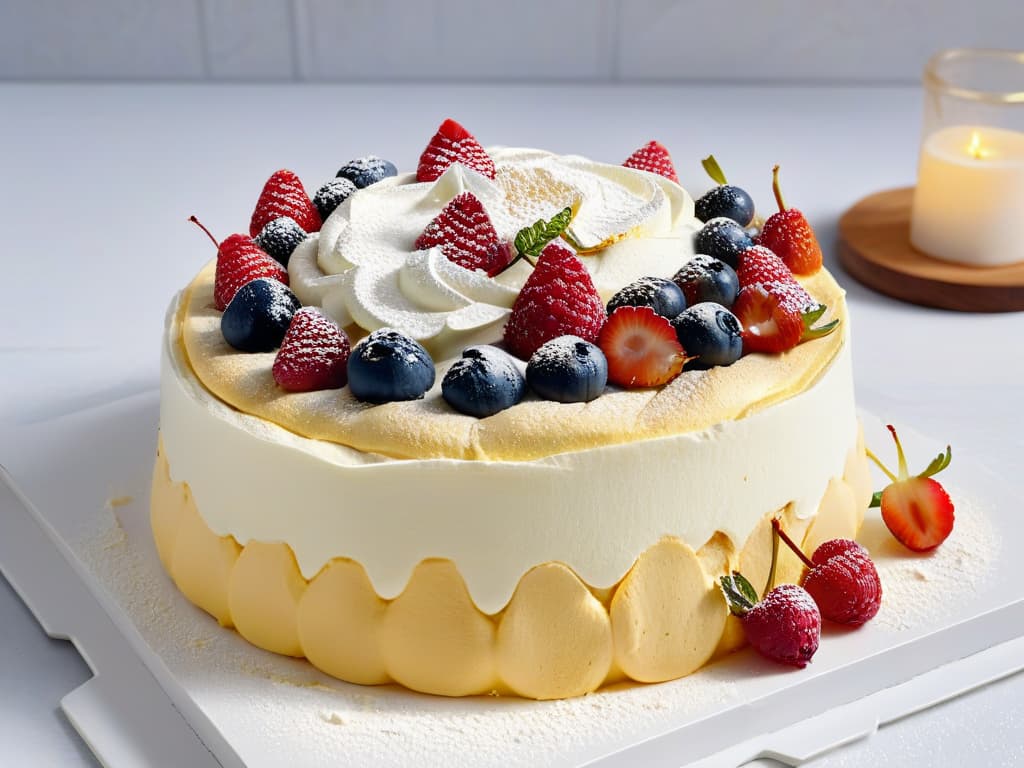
969 201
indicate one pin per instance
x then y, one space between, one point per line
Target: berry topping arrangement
560 341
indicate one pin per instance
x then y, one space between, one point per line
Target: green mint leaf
713 169
530 241
740 596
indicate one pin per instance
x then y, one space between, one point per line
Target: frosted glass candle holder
969 201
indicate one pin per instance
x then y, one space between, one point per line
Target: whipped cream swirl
364 267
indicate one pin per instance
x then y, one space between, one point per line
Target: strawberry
653 157
558 299
466 236
769 324
916 510
313 355
841 579
641 347
790 236
284 195
784 626
239 260
453 144
758 264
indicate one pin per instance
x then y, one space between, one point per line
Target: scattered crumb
119 501
333 718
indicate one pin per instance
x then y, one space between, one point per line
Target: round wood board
874 247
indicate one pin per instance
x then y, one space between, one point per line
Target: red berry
790 236
284 195
313 354
239 261
785 626
770 324
466 236
558 299
641 347
758 264
653 157
918 512
844 582
916 509
453 144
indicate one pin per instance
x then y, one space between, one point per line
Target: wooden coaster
874 247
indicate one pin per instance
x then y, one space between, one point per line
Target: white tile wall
766 40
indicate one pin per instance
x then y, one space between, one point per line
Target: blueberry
724 239
368 170
388 366
711 332
661 295
705 278
728 201
568 369
279 237
257 318
331 195
484 381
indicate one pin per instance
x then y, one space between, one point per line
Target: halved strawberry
653 157
916 510
790 235
284 195
769 324
642 348
239 261
466 236
313 355
453 144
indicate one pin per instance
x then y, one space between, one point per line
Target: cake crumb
119 501
333 718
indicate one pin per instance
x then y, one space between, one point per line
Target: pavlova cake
503 424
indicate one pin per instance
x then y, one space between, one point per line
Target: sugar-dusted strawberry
790 236
785 625
916 509
769 325
841 578
641 347
653 157
466 236
759 264
313 355
284 195
558 299
239 260
453 144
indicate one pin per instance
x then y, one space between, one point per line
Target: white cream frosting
595 510
367 270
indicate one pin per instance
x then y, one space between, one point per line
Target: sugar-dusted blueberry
661 295
724 239
725 201
258 316
387 366
705 278
368 170
484 381
568 369
331 195
711 333
279 238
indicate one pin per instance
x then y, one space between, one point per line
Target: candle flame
975 149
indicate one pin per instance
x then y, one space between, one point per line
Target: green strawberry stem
777 189
937 464
876 500
199 224
714 170
777 527
770 584
899 453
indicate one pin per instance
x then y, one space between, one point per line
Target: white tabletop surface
98 182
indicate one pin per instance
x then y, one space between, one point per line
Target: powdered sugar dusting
918 589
